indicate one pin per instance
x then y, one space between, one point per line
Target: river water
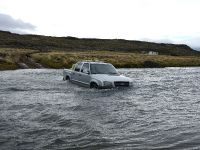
38 110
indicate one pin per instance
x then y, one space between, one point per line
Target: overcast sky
172 21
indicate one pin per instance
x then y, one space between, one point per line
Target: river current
38 110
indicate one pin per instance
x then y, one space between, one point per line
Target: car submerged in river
96 74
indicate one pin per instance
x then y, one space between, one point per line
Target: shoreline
116 68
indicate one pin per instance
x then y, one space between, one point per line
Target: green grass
46 43
62 52
57 59
6 65
11 57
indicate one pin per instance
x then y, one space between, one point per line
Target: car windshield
102 69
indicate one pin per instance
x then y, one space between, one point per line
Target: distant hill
46 43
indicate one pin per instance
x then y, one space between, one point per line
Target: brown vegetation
35 51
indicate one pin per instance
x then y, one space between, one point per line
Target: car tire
67 78
94 86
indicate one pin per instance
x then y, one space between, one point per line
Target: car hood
111 78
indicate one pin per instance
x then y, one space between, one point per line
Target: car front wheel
94 86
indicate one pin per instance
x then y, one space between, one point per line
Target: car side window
78 67
85 68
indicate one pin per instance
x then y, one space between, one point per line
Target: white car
96 74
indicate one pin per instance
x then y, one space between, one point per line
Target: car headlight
107 83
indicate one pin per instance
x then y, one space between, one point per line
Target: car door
76 72
84 75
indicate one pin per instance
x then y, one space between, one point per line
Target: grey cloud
7 23
193 42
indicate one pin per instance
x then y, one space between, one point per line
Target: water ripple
40 111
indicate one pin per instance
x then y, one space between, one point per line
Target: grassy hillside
12 58
45 43
33 51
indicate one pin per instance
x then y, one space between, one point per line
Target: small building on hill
152 53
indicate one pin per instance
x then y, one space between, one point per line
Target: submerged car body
96 75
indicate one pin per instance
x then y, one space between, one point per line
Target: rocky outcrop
26 62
